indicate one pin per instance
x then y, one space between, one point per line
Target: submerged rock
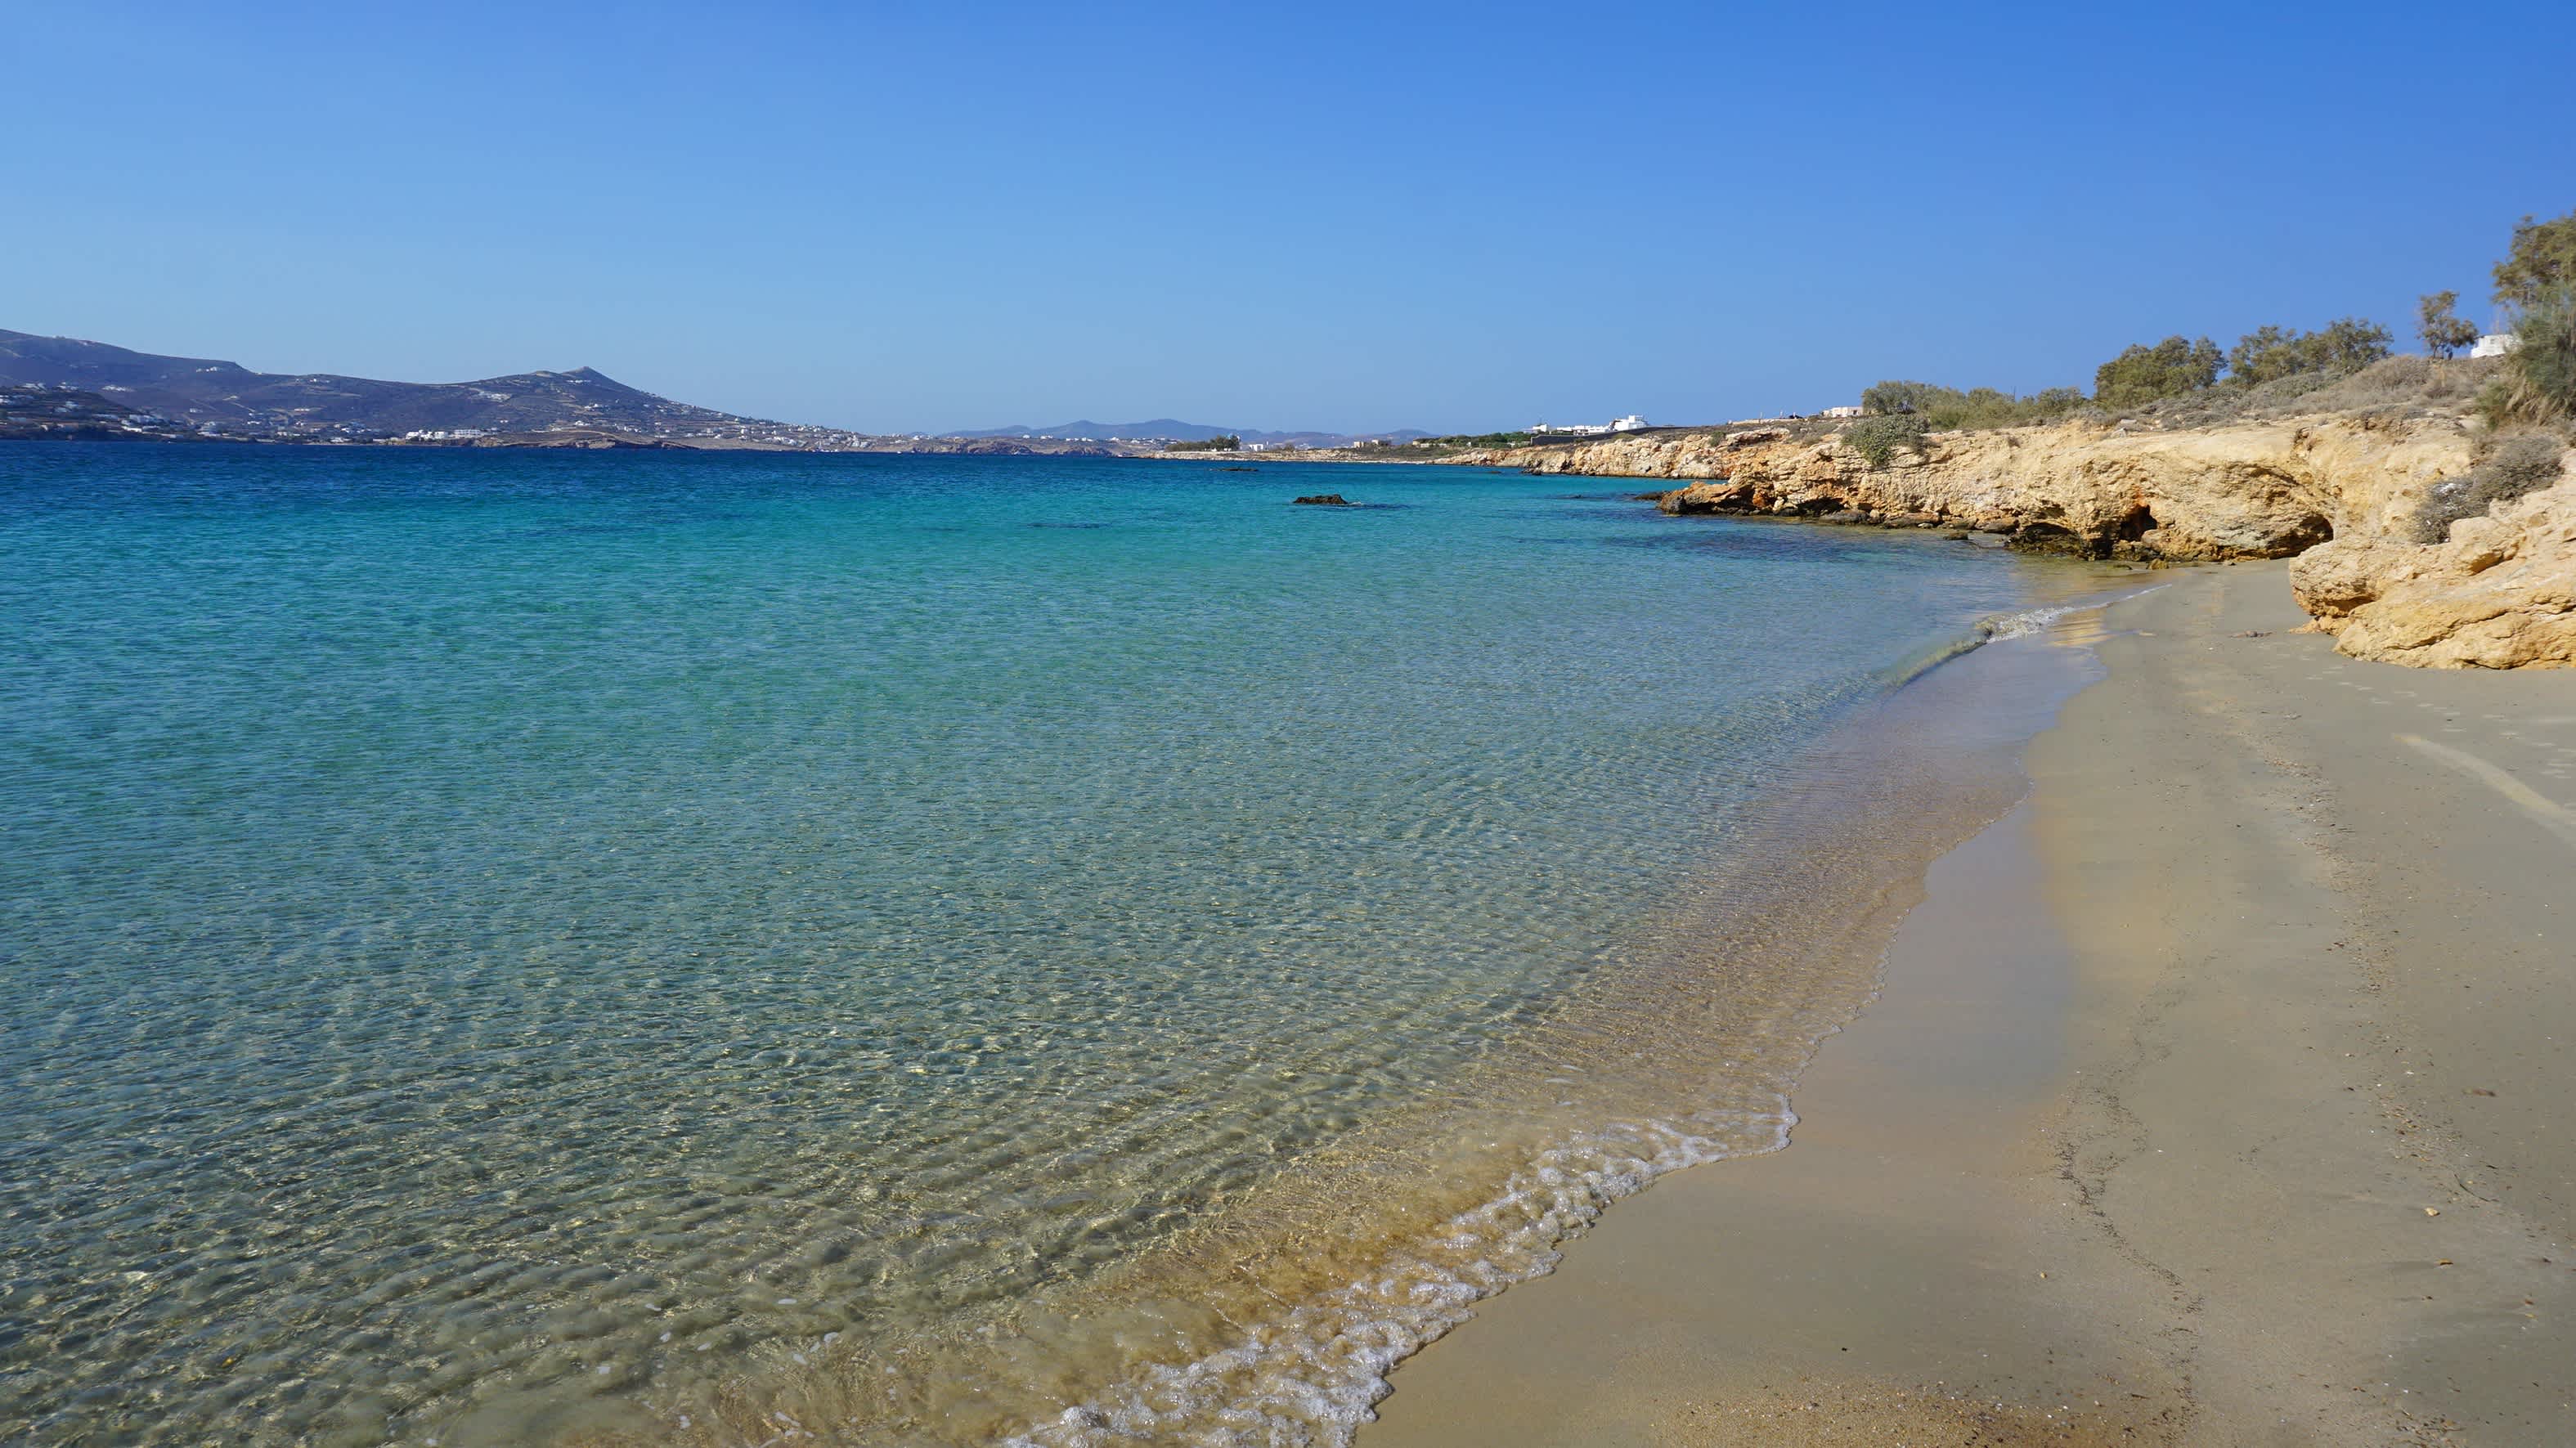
1326 500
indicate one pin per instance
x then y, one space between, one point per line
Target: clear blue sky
930 216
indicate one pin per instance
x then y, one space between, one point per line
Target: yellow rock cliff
2337 493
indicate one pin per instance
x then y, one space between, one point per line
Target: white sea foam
2037 620
1314 1375
2025 623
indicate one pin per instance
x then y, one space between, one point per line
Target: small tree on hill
2543 261
2170 368
2269 354
2538 382
2348 344
2443 330
2546 360
1893 399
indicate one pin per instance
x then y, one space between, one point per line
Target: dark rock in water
1326 500
1846 517
2035 536
1238 470
1717 495
1908 520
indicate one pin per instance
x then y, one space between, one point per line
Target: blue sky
930 216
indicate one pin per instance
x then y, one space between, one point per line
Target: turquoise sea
501 946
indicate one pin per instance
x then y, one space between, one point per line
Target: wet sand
2214 1096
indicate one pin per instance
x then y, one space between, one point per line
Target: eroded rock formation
2499 594
2254 490
2337 493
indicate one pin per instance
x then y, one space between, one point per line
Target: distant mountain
201 396
1178 431
206 394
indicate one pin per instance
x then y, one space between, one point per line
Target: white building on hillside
1844 411
2495 344
1630 423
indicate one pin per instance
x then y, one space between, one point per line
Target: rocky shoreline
2340 493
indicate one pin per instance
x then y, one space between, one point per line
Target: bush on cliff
2170 368
2403 386
2268 354
2510 468
1945 408
1894 399
2444 331
2541 263
1879 439
2537 383
1481 440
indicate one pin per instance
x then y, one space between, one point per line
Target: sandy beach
2212 1097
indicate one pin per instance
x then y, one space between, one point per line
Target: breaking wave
1312 1376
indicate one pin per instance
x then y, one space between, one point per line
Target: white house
2495 344
1847 411
1630 423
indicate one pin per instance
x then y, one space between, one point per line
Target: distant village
59 410
1634 423
38 409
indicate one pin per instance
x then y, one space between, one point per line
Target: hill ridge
218 396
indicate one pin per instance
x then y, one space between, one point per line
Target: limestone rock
2500 593
2336 493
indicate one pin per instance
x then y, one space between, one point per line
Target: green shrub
2170 368
1879 439
2510 468
1945 408
2541 263
2347 345
2443 330
2539 375
1894 399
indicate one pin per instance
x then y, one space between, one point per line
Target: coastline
1304 1295
2147 1165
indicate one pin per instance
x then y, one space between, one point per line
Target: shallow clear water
496 943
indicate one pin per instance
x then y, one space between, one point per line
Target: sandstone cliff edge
2339 493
